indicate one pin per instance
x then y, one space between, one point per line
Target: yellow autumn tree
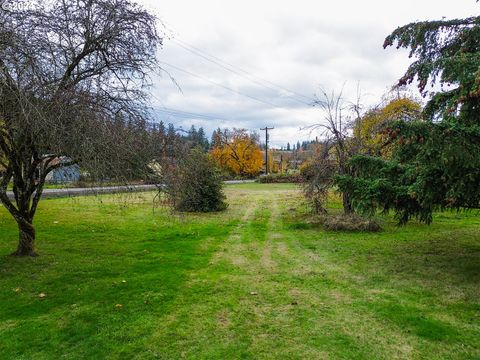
237 151
272 166
368 129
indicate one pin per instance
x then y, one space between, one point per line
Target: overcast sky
279 53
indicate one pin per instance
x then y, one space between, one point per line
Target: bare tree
318 178
339 117
73 80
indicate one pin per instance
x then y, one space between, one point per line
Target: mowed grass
258 281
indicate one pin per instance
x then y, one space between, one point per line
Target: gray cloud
298 45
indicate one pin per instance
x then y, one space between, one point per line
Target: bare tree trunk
26 239
347 204
27 194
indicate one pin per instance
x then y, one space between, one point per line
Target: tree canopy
369 130
237 151
73 80
436 164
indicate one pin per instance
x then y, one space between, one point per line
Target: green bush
196 184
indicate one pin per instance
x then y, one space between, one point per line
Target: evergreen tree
436 164
171 139
202 139
161 129
216 138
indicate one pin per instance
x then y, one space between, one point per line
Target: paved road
239 181
70 192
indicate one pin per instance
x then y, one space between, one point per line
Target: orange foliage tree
237 151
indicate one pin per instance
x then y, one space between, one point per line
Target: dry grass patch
350 222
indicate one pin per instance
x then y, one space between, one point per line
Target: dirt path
272 236
233 245
267 292
251 247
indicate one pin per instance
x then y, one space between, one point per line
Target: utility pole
266 128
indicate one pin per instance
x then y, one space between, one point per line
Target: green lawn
259 281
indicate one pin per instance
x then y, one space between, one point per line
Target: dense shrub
280 178
195 184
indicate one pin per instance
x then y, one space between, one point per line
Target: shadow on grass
446 260
99 290
414 321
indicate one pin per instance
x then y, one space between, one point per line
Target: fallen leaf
253 293
124 281
41 295
17 290
119 306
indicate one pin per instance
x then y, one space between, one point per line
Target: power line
220 85
186 114
240 72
